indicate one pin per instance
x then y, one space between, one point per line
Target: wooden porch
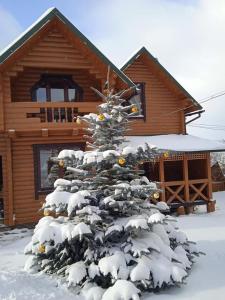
185 180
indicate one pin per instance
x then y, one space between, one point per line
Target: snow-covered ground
207 280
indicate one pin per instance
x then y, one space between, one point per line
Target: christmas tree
100 232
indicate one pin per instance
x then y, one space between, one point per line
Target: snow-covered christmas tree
100 232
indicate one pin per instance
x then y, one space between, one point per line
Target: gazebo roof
178 142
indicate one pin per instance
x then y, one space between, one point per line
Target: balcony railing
19 115
56 114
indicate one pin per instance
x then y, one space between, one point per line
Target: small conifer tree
100 232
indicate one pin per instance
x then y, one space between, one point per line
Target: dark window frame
141 85
37 167
54 81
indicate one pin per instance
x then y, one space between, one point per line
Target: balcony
51 115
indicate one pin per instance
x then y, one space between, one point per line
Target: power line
213 125
221 127
208 127
219 94
204 100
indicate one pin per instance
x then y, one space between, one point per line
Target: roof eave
54 12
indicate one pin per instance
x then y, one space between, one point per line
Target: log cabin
45 80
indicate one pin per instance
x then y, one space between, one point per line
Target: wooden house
45 80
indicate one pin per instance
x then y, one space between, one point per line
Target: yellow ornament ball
41 248
134 109
101 117
78 121
47 212
156 195
166 154
61 163
122 161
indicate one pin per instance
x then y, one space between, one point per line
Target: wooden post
180 211
186 180
209 175
162 178
211 204
183 127
9 180
189 209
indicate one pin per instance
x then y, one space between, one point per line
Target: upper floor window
56 88
139 100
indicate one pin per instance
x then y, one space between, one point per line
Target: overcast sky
187 36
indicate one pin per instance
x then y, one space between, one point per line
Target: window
139 99
56 88
44 180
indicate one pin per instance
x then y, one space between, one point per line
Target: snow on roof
177 142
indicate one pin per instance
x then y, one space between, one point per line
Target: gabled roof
40 23
143 51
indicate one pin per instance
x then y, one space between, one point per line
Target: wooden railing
174 191
56 114
198 189
177 191
19 115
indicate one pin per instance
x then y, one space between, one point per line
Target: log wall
4 193
23 83
160 101
1 106
25 207
53 49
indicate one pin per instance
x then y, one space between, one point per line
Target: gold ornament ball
78 121
61 163
106 92
166 154
101 117
41 248
47 212
134 109
156 195
122 161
